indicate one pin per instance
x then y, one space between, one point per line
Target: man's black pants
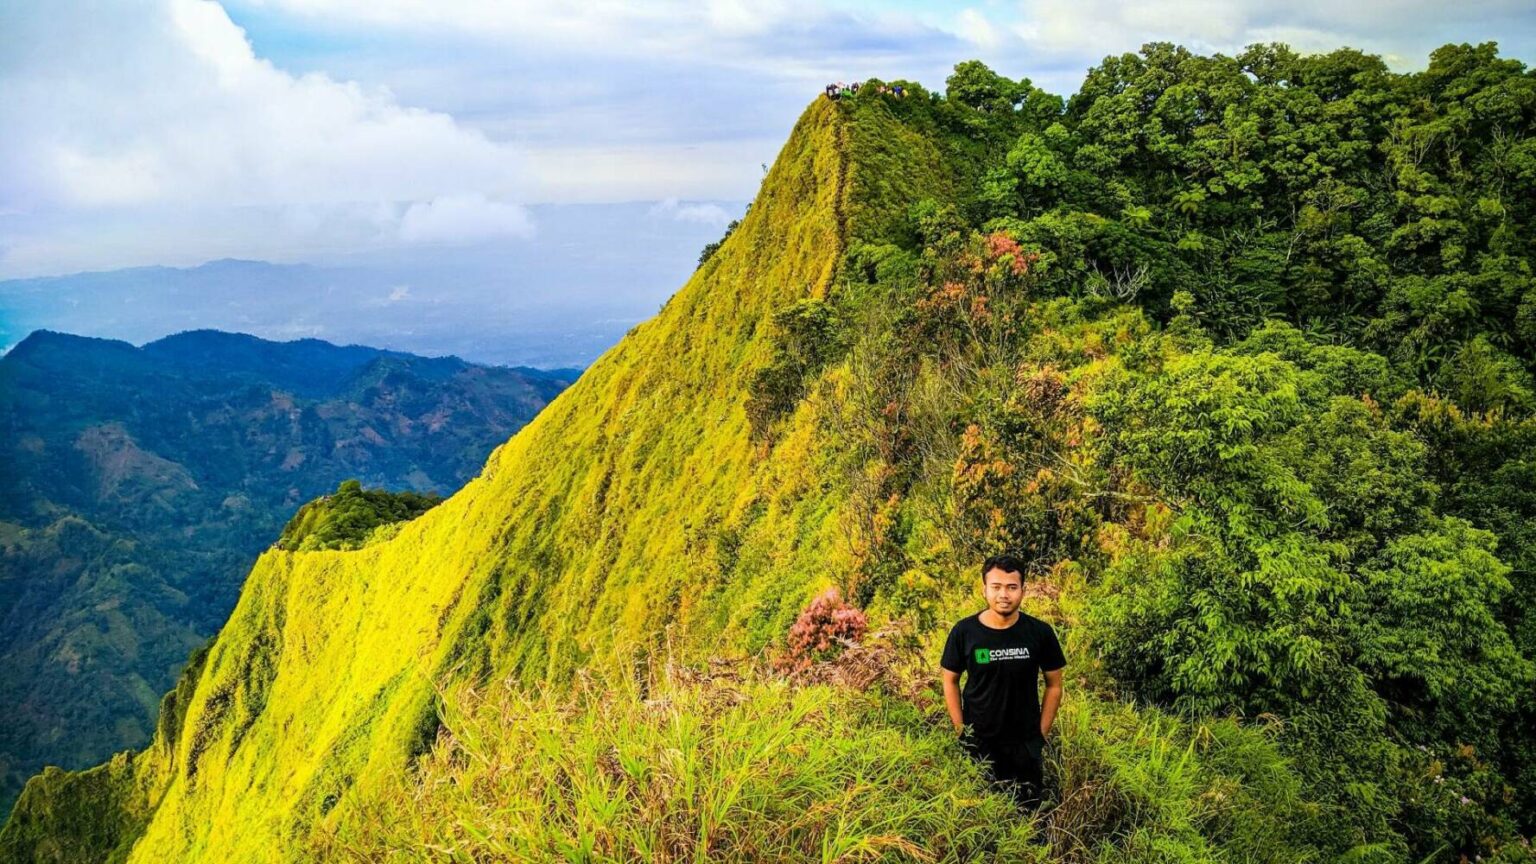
1015 763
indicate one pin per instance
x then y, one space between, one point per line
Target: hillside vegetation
1235 350
138 485
352 517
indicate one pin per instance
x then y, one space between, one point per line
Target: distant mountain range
137 485
556 299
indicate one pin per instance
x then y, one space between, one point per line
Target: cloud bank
177 131
164 111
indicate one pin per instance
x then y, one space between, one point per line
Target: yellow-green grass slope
586 540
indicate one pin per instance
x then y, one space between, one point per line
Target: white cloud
647 172
127 104
295 330
746 17
186 235
397 294
457 219
974 27
704 214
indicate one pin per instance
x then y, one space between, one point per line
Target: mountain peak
50 342
591 505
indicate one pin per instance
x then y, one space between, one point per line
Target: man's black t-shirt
1001 697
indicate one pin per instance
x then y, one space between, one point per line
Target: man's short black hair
1005 563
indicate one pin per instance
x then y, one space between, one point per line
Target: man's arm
1052 700
952 698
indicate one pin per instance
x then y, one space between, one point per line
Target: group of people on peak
839 90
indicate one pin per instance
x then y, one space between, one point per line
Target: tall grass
1136 785
734 762
731 764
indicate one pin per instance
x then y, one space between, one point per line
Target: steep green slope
583 538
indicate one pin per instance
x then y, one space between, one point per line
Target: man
1002 653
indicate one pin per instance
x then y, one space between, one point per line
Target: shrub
825 629
806 337
352 517
1135 784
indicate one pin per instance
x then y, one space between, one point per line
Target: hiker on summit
1003 651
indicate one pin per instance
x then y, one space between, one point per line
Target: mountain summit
575 544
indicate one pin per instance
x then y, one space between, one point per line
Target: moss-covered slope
590 535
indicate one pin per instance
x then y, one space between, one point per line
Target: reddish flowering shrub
974 289
1005 248
947 299
818 633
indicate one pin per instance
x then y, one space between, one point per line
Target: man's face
1003 590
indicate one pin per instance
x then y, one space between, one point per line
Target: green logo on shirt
997 655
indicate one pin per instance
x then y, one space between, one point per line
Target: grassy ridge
564 549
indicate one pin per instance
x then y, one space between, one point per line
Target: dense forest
1237 351
1247 347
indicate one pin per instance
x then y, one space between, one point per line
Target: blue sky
172 132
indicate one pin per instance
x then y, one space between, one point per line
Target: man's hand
952 699
1052 700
